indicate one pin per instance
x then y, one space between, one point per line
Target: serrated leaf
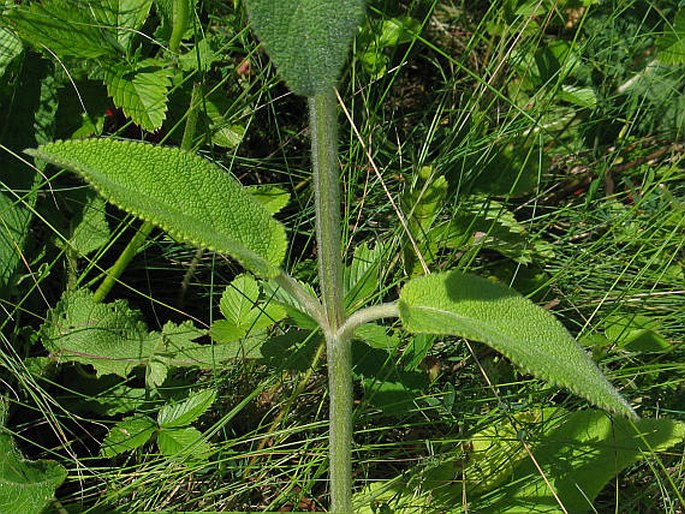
26 486
187 444
67 28
239 298
10 47
671 43
307 40
110 337
125 16
184 413
180 192
469 306
92 230
244 317
140 90
294 309
128 434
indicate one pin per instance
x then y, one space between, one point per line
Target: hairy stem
323 124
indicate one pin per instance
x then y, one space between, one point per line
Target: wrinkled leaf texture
307 40
180 192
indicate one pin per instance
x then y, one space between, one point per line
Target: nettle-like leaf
110 337
113 339
180 192
66 28
469 306
140 90
26 486
307 40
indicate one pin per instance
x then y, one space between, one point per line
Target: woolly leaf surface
307 40
180 192
475 308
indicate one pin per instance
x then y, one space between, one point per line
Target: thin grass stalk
324 134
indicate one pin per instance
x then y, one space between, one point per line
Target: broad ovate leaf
476 308
307 40
182 193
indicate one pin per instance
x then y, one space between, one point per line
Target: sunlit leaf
475 308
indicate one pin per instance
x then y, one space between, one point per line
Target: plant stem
323 124
122 261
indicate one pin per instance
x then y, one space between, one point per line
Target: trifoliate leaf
307 40
182 193
468 306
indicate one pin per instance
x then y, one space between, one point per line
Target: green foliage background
538 144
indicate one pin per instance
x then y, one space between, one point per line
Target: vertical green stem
323 123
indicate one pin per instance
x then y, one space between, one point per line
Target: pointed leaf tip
468 306
307 40
180 192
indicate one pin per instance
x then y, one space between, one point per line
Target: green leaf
468 306
182 193
140 90
307 40
125 16
636 333
187 444
92 230
273 198
67 28
25 485
244 317
10 47
578 454
128 434
184 413
110 337
671 43
360 278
